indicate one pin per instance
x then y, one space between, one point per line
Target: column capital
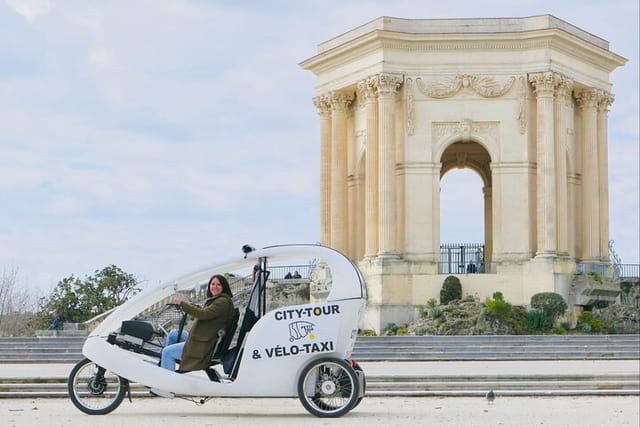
605 102
544 84
366 90
564 88
589 97
323 105
340 101
386 84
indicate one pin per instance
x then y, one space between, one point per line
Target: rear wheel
328 387
359 371
94 390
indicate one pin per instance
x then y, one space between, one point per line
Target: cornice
554 39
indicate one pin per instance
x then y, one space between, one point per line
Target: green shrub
551 303
432 302
498 307
435 312
596 276
589 322
537 320
559 331
469 298
368 333
451 290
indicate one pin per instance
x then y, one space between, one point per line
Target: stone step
425 348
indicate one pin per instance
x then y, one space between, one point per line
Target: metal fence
460 258
289 271
629 271
617 271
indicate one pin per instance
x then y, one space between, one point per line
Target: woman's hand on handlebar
176 299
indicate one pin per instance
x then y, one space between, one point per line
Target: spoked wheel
94 390
328 387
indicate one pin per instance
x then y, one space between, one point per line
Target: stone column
488 226
546 218
603 163
563 103
367 91
324 111
339 214
588 100
387 86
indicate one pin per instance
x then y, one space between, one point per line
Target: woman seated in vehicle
194 353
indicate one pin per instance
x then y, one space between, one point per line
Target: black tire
94 390
328 387
364 383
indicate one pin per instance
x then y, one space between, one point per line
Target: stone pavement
562 411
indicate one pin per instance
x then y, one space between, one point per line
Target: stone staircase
498 347
68 349
396 355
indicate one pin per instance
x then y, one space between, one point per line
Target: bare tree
17 306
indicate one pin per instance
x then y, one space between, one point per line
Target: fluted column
387 86
367 91
603 162
488 225
563 103
544 87
324 111
588 100
339 214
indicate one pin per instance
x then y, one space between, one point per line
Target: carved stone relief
410 105
464 129
522 104
485 86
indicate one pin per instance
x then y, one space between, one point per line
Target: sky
160 136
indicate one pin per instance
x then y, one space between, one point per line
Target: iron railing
629 271
460 258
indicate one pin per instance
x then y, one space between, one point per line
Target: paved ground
468 412
565 411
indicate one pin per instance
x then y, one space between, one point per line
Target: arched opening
465 209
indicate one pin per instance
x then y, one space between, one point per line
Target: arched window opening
462 222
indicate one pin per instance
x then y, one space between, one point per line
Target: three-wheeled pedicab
270 348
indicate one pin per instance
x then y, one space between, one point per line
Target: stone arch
471 154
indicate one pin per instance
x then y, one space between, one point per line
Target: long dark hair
223 281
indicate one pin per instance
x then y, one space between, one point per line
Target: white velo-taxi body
280 351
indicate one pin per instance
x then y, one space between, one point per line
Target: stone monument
523 102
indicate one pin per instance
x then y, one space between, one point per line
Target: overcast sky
160 136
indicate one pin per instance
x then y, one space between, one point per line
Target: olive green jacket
210 318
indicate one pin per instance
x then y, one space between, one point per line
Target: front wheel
328 387
94 390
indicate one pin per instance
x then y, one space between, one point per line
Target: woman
194 353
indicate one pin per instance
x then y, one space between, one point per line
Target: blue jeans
172 350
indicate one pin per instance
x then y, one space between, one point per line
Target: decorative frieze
485 86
